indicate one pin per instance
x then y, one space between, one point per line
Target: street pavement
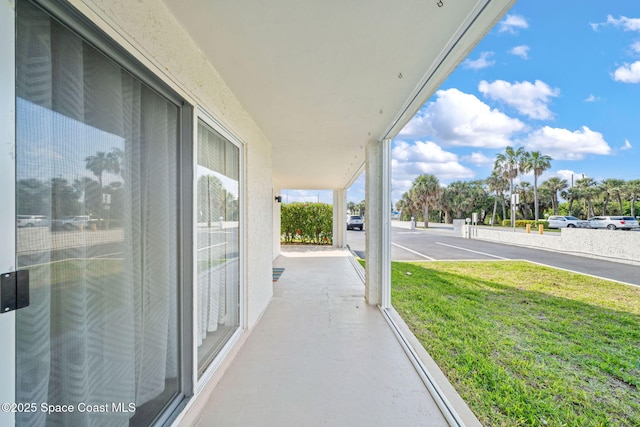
440 243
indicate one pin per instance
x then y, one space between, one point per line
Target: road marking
414 252
579 272
470 250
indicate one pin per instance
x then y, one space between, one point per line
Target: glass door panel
217 237
96 195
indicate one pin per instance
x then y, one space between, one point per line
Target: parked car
70 222
566 221
355 221
614 222
32 221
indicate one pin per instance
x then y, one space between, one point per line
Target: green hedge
309 223
523 223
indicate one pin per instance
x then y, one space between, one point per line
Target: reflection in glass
217 243
97 157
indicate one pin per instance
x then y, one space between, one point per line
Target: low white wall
618 245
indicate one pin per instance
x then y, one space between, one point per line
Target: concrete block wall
611 245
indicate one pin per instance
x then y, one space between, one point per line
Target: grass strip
525 344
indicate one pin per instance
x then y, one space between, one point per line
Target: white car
32 221
355 221
614 222
567 221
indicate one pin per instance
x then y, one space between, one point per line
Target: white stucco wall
148 31
276 215
618 245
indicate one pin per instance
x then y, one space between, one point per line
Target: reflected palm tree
103 162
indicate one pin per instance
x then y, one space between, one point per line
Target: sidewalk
320 356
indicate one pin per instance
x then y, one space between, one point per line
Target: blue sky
560 77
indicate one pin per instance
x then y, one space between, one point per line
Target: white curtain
102 325
217 242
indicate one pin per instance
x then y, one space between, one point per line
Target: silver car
614 222
567 221
355 221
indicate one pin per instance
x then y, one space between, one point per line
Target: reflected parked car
355 221
614 222
70 222
32 221
567 221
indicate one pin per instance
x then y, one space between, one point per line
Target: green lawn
527 345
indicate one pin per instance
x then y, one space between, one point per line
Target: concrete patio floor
320 356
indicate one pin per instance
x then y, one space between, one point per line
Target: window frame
76 22
208 119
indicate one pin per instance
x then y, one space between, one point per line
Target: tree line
491 198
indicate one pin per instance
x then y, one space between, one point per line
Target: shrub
309 223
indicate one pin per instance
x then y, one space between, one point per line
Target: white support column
378 218
7 195
339 218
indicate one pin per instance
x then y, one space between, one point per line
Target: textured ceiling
322 78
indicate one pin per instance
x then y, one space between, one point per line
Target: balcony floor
320 356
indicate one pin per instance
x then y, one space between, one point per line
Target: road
441 244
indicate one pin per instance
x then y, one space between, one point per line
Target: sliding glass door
97 169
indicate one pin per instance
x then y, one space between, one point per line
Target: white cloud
477 158
627 24
627 145
409 160
592 98
636 47
482 62
522 51
567 174
513 23
528 98
460 119
562 144
628 73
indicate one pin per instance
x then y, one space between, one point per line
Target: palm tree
498 185
632 189
103 162
537 163
555 185
425 188
572 194
446 203
351 207
509 164
612 187
588 190
524 190
405 205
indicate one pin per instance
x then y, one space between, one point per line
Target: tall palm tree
555 185
537 163
509 164
426 189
